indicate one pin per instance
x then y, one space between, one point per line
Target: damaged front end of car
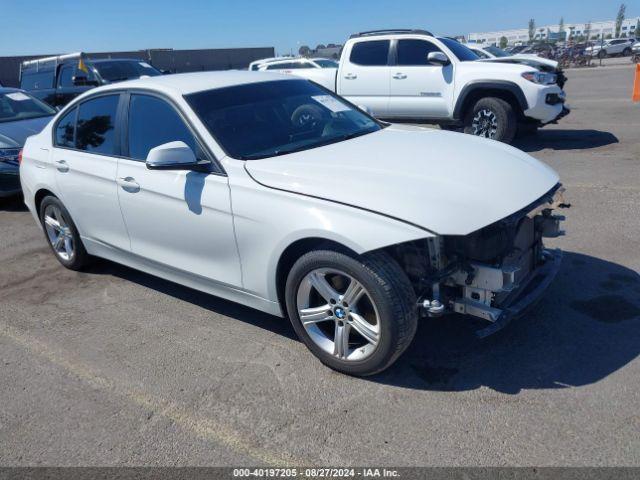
495 273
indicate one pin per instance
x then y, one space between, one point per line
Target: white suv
413 76
616 46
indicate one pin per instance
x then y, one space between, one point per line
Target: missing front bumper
527 295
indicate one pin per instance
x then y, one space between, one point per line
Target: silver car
21 116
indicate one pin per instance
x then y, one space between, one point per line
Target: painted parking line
204 427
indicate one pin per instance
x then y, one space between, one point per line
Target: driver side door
179 219
419 88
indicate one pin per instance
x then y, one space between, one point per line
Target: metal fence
174 61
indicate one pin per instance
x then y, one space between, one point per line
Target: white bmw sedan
277 194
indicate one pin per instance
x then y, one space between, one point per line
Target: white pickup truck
413 76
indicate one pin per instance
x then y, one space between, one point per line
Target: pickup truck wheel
62 234
493 118
356 314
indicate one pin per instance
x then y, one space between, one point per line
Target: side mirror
172 156
438 58
365 109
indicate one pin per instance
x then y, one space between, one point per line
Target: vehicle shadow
561 139
12 204
584 329
216 305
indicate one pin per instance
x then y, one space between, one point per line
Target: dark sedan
21 116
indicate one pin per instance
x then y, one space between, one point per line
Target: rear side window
415 52
153 122
373 53
95 130
37 80
66 129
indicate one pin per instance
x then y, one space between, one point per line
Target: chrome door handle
399 76
62 166
128 183
351 76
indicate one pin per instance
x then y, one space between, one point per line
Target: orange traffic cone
635 97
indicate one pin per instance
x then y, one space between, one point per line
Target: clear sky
46 26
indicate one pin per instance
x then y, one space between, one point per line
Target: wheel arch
473 91
39 197
293 252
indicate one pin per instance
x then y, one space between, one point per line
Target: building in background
598 31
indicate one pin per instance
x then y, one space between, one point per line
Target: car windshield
496 52
326 63
117 70
463 53
267 119
16 105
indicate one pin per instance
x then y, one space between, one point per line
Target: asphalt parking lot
115 367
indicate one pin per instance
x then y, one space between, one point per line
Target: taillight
20 157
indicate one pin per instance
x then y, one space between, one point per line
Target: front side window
16 105
267 119
65 79
372 53
66 129
95 130
153 122
415 52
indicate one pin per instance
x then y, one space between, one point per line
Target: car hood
531 61
448 183
14 134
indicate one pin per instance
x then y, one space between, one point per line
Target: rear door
419 88
363 76
178 218
84 154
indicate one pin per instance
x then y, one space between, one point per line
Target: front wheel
602 54
626 52
356 314
493 118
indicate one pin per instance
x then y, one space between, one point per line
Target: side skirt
197 282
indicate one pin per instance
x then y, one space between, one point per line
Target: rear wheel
492 117
626 52
62 234
356 314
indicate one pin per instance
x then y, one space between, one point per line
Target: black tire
602 54
390 291
626 52
507 120
80 257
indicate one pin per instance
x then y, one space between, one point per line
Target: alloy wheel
338 314
485 123
58 232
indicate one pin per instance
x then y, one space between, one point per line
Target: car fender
267 221
476 85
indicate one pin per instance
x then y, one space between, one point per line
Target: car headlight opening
541 78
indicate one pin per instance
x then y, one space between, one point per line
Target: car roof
186 83
101 60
